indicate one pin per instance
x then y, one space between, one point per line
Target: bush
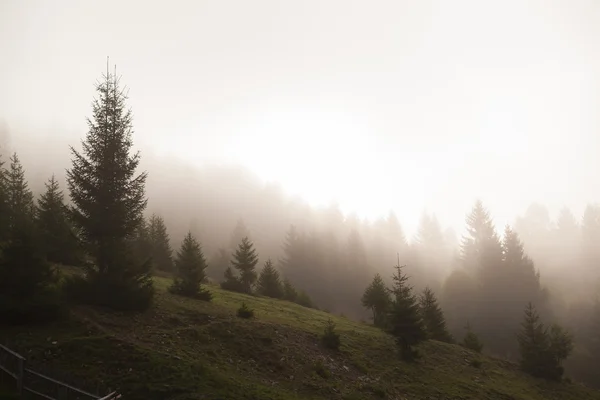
321 370
245 312
330 338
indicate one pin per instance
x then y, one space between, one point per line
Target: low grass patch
184 348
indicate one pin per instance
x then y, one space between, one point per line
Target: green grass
190 349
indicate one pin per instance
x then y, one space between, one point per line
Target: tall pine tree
377 298
245 260
190 265
269 283
433 317
108 202
162 254
21 208
61 243
4 211
404 319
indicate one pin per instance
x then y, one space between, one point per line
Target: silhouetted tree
542 350
433 317
269 283
239 233
189 270
142 245
404 320
27 290
289 292
377 299
21 208
219 262
480 248
245 260
60 243
4 209
108 203
471 340
162 254
231 282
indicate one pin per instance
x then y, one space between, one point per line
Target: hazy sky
409 105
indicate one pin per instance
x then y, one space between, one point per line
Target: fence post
21 378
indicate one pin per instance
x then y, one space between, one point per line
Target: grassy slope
188 349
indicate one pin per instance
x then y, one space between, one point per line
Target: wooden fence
33 385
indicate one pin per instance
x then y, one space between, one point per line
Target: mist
373 129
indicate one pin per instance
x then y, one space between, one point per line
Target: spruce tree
162 254
269 283
108 203
4 211
239 233
533 343
190 265
245 260
289 291
218 264
542 349
61 243
471 340
21 208
433 317
142 245
377 298
27 281
404 320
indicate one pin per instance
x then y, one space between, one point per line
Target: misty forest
98 233
289 200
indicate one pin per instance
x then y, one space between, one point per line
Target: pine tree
404 320
109 201
230 281
190 265
471 340
594 331
21 208
218 264
245 260
292 253
289 291
269 283
162 254
27 281
142 244
433 317
239 233
543 349
4 210
533 343
60 241
480 248
377 298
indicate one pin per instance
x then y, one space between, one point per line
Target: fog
337 117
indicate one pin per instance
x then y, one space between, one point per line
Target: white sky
405 104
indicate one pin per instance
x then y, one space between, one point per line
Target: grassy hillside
188 349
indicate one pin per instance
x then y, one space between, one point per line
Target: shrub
245 312
330 338
321 370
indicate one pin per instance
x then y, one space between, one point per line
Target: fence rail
32 384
